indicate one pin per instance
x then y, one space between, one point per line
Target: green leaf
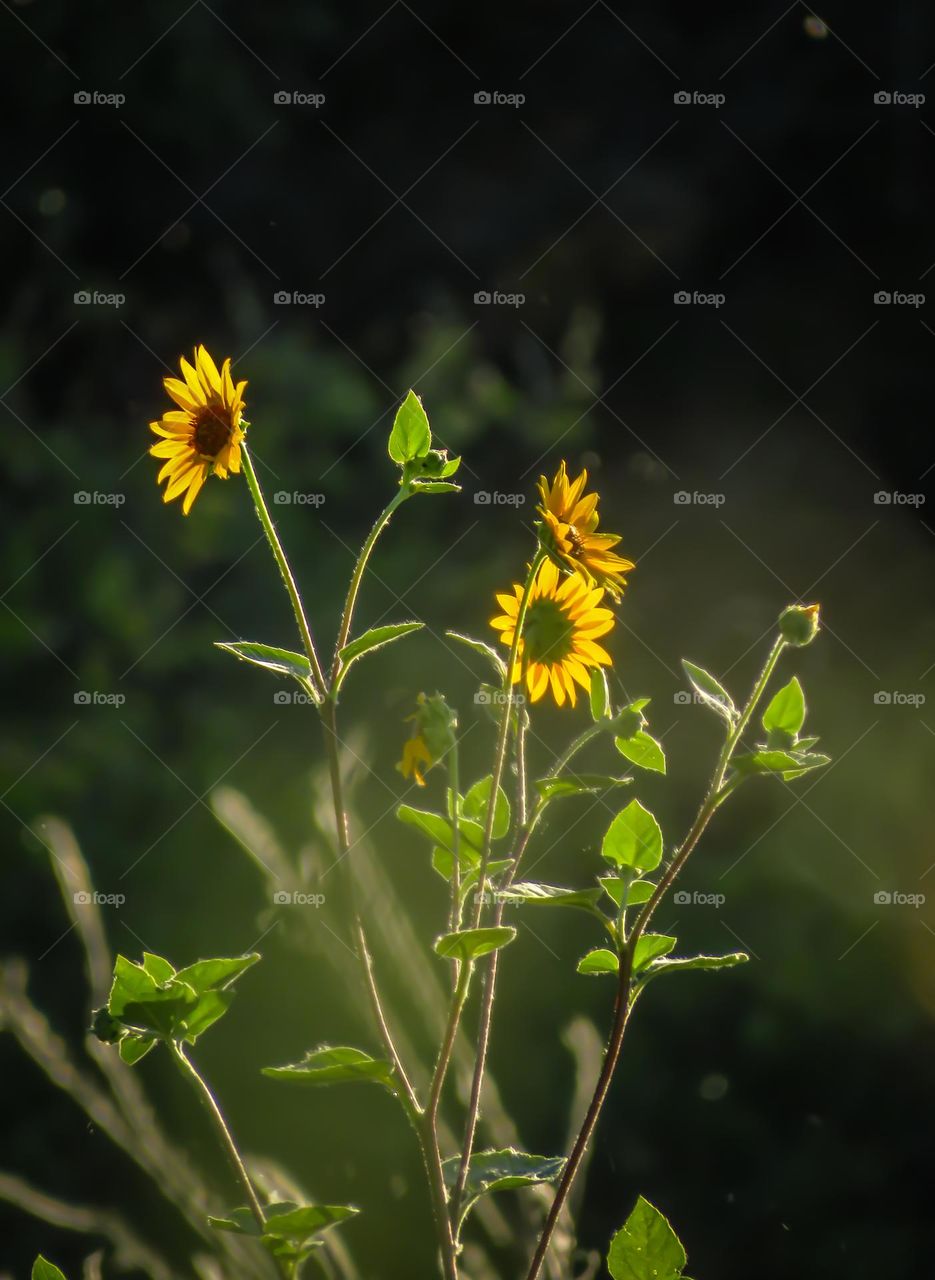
468 944
786 711
133 1048
375 639
439 829
581 784
634 839
787 764
600 960
485 650
711 691
643 750
335 1065
600 695
474 807
215 975
42 1269
282 661
650 946
677 964
468 859
301 1221
490 1171
211 1006
138 1001
239 1221
159 969
550 895
646 1247
435 486
640 890
410 437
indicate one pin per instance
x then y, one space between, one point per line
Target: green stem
317 675
347 615
454 792
189 1069
717 792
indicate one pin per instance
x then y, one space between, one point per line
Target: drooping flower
564 620
569 532
434 724
204 433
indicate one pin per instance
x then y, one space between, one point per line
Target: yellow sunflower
569 524
559 641
416 757
204 433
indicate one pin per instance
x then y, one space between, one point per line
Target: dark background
780 1114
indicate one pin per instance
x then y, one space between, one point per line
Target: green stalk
317 675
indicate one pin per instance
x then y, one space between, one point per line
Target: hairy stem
272 537
716 793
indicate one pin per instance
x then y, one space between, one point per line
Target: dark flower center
548 633
212 430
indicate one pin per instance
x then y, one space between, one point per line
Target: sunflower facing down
560 633
569 524
204 433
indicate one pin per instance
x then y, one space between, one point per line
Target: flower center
212 430
548 634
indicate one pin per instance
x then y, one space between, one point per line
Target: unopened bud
798 625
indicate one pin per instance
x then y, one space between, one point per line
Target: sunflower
433 736
204 433
569 524
416 756
560 632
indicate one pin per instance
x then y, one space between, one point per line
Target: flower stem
716 793
227 1140
272 537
